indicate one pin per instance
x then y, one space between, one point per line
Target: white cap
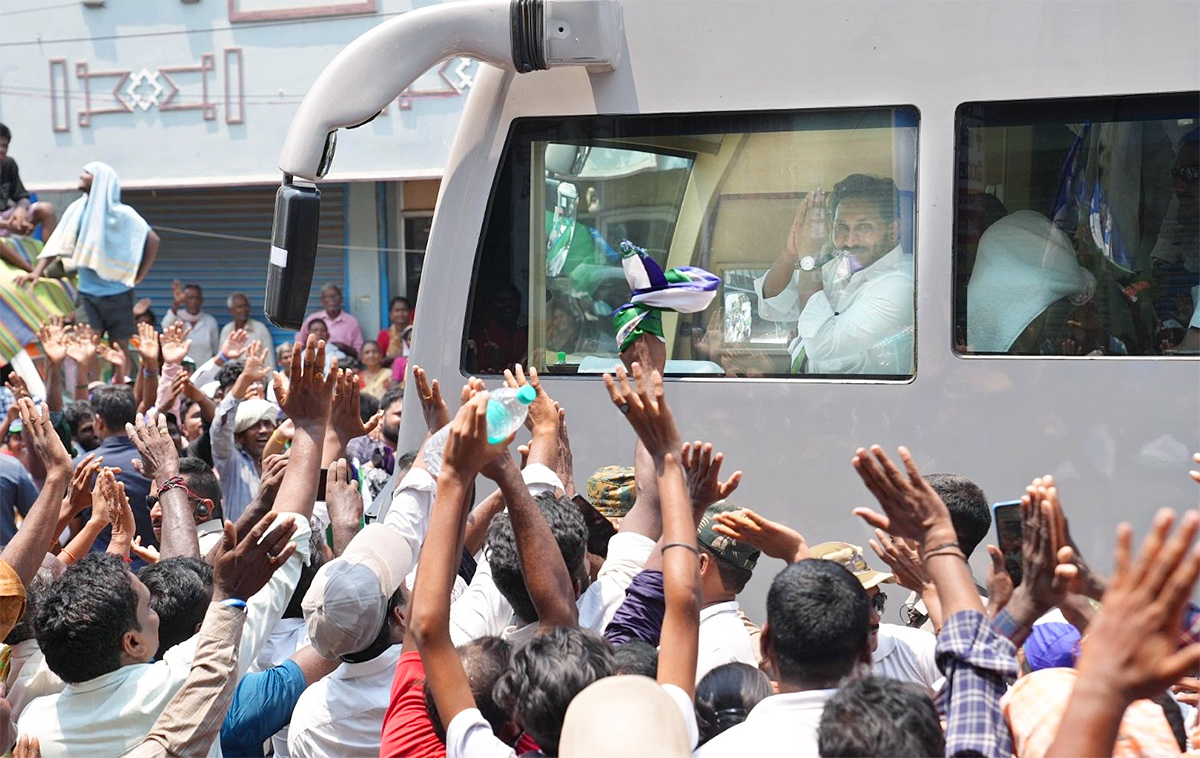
651 721
346 605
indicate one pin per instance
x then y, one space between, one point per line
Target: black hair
546 674
878 189
368 406
76 413
570 532
1174 715
406 461
636 657
316 559
178 596
229 373
818 619
733 578
24 629
84 616
203 569
726 694
398 299
874 716
5 133
202 482
484 659
391 396
383 639
968 508
116 405
321 321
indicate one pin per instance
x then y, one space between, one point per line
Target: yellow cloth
12 598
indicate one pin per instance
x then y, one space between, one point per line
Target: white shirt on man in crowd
907 655
723 638
782 726
255 330
342 714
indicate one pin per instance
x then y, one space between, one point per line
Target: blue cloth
17 491
119 452
91 283
1052 645
262 705
640 617
978 664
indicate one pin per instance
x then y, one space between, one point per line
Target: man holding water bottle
846 283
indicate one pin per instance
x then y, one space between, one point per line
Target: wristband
943 546
234 602
127 559
172 483
220 358
684 545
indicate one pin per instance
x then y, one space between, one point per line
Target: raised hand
253 371
346 414
53 336
147 345
911 508
147 553
467 448
81 344
903 558
1195 474
542 412
272 475
235 344
174 342
645 409
176 294
242 568
113 355
309 394
17 386
768 537
79 494
42 437
433 405
345 504
160 457
1046 568
999 582
108 496
702 471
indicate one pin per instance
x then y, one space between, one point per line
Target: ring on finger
272 558
163 430
623 407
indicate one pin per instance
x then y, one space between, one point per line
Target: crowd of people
191 567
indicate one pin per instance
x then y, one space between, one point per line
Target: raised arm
53 337
160 464
307 402
542 420
645 408
345 419
24 551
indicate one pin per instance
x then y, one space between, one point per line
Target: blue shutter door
220 239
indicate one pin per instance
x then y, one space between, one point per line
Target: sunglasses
879 602
1186 174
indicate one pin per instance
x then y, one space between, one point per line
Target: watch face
807 263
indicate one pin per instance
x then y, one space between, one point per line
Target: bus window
806 218
1076 227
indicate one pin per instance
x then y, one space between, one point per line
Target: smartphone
600 529
324 478
1008 529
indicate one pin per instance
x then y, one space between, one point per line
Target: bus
1042 233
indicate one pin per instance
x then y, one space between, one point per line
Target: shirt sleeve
266 607
640 616
410 509
19 192
12 598
784 306
481 611
221 432
356 338
688 709
470 736
627 554
262 705
978 665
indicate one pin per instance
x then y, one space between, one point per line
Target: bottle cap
526 394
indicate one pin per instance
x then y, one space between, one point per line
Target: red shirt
407 730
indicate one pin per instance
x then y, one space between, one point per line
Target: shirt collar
384 661
716 609
887 263
112 678
208 527
790 701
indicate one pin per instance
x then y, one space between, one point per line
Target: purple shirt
343 329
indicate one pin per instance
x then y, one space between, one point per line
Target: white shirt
112 713
907 655
470 736
864 328
781 726
256 330
238 475
29 678
723 639
203 334
342 714
209 534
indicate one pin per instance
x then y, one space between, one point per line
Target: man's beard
391 434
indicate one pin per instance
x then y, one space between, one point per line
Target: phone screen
600 531
1008 527
321 484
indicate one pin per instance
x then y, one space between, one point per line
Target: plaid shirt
978 664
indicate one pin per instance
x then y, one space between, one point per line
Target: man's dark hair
202 482
877 189
733 578
193 286
368 406
24 628
968 508
398 299
203 569
818 618
484 660
5 133
84 615
1174 718
636 657
570 532
391 396
874 716
406 461
76 413
546 674
178 596
726 694
229 373
116 405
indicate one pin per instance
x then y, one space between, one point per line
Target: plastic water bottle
506 411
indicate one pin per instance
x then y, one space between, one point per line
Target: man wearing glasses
204 496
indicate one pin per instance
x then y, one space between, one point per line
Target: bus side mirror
293 254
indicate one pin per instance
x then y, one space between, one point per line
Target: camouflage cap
611 491
733 552
852 559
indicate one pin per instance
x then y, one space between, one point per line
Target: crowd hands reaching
241 579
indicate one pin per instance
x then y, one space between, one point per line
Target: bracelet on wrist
175 482
683 545
234 602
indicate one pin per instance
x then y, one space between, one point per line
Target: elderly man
344 331
188 307
240 430
239 310
853 305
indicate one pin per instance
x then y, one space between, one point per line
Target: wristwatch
808 263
